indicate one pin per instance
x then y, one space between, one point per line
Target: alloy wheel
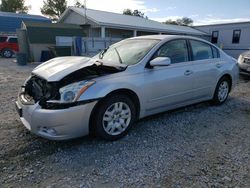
116 118
223 91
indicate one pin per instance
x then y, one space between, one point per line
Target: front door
169 86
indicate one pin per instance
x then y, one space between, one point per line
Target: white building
233 38
107 24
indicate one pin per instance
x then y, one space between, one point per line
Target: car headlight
72 92
240 59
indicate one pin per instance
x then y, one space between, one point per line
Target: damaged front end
66 92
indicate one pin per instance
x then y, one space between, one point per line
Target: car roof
168 37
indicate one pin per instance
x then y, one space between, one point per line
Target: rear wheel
222 91
7 53
113 117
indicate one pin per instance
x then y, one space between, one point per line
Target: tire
7 53
222 91
113 117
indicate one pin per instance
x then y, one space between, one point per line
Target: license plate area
19 109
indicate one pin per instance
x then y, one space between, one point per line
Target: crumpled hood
57 68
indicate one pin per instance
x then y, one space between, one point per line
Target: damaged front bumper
56 124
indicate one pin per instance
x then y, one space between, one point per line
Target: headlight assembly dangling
72 92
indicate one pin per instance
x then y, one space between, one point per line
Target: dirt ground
197 146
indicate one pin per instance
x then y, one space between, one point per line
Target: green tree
79 5
54 8
134 13
170 21
16 6
185 21
128 12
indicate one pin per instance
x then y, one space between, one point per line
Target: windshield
128 52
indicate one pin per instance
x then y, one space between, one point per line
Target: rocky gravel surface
197 146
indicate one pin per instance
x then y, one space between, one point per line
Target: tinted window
236 36
12 40
201 50
176 50
3 39
216 53
215 35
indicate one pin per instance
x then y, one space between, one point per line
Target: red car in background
8 46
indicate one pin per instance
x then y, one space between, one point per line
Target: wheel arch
229 78
130 93
3 49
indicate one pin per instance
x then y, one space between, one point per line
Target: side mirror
160 61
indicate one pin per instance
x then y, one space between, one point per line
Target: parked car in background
8 46
244 63
69 97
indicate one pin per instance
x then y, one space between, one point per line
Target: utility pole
85 11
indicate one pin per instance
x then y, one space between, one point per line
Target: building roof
21 15
110 19
221 24
46 33
9 21
29 24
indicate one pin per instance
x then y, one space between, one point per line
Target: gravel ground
197 146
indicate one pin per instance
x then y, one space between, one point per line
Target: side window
3 39
176 50
215 35
12 40
201 50
236 36
216 53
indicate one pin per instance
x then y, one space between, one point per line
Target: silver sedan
70 97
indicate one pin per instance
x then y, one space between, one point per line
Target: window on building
215 35
201 50
12 40
236 36
3 39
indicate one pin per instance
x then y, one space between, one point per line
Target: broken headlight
72 92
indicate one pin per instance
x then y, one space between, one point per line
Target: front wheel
113 117
221 91
7 53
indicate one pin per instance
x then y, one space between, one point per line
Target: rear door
12 42
206 65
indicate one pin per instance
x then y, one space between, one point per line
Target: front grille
33 90
244 71
247 61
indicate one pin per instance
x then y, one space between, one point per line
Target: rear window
3 39
12 40
201 50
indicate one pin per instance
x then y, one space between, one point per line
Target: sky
201 11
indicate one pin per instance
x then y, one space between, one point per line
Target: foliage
16 6
79 5
54 8
185 21
134 13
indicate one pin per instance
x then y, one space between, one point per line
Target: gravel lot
197 146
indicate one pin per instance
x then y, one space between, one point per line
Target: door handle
218 65
188 72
